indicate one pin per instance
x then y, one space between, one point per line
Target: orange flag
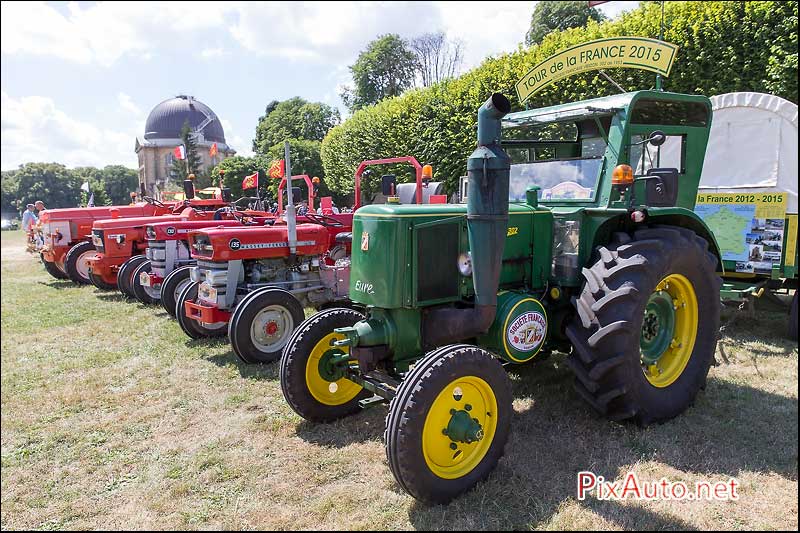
250 182
213 151
277 169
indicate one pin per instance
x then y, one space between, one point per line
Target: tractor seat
344 237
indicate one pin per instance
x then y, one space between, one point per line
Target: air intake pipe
488 169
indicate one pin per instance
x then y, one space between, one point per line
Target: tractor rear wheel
646 326
171 288
263 323
100 283
313 385
793 318
448 425
193 328
124 274
53 269
76 263
146 295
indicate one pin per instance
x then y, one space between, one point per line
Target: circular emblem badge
527 331
170 230
234 244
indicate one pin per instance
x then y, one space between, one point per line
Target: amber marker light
622 175
427 172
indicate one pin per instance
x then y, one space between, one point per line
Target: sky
79 78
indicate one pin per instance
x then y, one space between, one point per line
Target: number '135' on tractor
573 238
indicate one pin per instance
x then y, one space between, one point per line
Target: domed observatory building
156 148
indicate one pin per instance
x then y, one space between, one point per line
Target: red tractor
165 271
64 229
117 241
254 283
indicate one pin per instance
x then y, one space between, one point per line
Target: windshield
569 179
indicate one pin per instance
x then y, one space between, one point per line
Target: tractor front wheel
313 370
53 269
172 287
143 293
190 326
124 274
76 262
448 425
646 327
262 324
100 283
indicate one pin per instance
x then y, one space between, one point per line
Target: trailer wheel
193 328
53 269
124 274
793 318
315 389
263 323
100 283
146 295
645 331
76 263
448 425
171 288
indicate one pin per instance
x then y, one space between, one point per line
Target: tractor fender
672 216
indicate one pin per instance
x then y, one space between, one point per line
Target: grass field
112 418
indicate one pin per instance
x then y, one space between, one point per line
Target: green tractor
576 236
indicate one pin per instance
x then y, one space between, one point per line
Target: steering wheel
245 220
152 201
324 220
180 207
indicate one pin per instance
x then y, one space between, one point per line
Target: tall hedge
724 47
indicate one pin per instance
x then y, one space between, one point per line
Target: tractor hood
179 230
256 242
99 213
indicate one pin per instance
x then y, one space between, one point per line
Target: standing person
29 219
39 207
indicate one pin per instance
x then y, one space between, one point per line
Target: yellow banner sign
618 52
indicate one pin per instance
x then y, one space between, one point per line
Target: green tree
385 69
51 183
237 167
557 16
191 165
306 159
119 183
97 185
10 185
293 119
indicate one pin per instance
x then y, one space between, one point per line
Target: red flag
251 181
180 152
213 151
592 4
277 169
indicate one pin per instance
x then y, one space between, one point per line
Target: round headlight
465 264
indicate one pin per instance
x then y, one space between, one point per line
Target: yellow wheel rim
445 457
324 391
663 368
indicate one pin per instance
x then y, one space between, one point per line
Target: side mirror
296 195
388 184
657 138
226 195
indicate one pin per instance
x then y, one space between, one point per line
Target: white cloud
34 129
212 53
126 103
237 142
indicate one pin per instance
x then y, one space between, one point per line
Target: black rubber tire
295 359
71 261
245 313
409 410
792 331
169 289
53 269
125 272
193 328
606 330
98 282
138 290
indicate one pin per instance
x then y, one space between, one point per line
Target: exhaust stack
489 170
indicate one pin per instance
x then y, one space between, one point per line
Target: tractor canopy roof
660 106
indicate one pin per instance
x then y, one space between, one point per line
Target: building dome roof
167 118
